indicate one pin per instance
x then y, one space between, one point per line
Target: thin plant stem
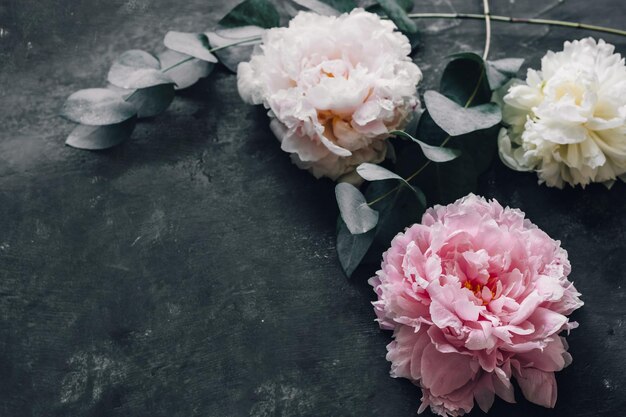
510 19
487 28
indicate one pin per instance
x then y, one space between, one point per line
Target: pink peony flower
335 87
476 295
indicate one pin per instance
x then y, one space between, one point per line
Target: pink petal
538 387
443 373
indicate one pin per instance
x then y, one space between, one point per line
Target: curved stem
509 19
487 28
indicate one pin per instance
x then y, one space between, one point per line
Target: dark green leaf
480 145
351 248
184 69
397 211
398 15
433 153
242 40
373 172
137 69
359 217
318 7
442 183
457 120
501 71
97 107
100 137
464 78
252 13
152 100
193 44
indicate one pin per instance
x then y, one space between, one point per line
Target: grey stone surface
191 271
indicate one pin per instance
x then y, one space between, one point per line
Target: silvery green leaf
152 100
234 45
137 69
457 120
252 13
359 217
193 44
184 69
97 107
351 248
501 71
433 153
101 137
373 172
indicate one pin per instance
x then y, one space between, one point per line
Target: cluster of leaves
141 85
437 159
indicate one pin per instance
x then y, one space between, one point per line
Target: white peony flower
335 87
568 121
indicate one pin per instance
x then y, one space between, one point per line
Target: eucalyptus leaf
101 137
97 107
235 45
456 120
252 13
184 69
137 69
373 172
464 81
193 44
433 153
318 7
397 13
501 71
351 248
152 100
359 217
444 182
397 211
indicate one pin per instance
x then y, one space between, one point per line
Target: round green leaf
100 137
152 100
97 107
456 120
351 248
137 69
184 69
193 44
359 217
501 71
252 13
461 77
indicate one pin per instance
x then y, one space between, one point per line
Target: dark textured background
192 272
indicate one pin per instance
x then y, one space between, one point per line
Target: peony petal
538 387
442 373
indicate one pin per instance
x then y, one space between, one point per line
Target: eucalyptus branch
190 58
509 19
444 143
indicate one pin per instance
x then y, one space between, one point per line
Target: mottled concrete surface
191 271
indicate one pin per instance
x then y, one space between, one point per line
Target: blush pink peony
335 87
476 295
